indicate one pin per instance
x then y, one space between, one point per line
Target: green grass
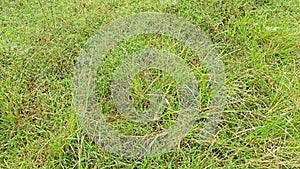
40 41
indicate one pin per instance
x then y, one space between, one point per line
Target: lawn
258 42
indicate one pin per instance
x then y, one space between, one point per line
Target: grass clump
258 42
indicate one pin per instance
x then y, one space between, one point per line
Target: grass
40 41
